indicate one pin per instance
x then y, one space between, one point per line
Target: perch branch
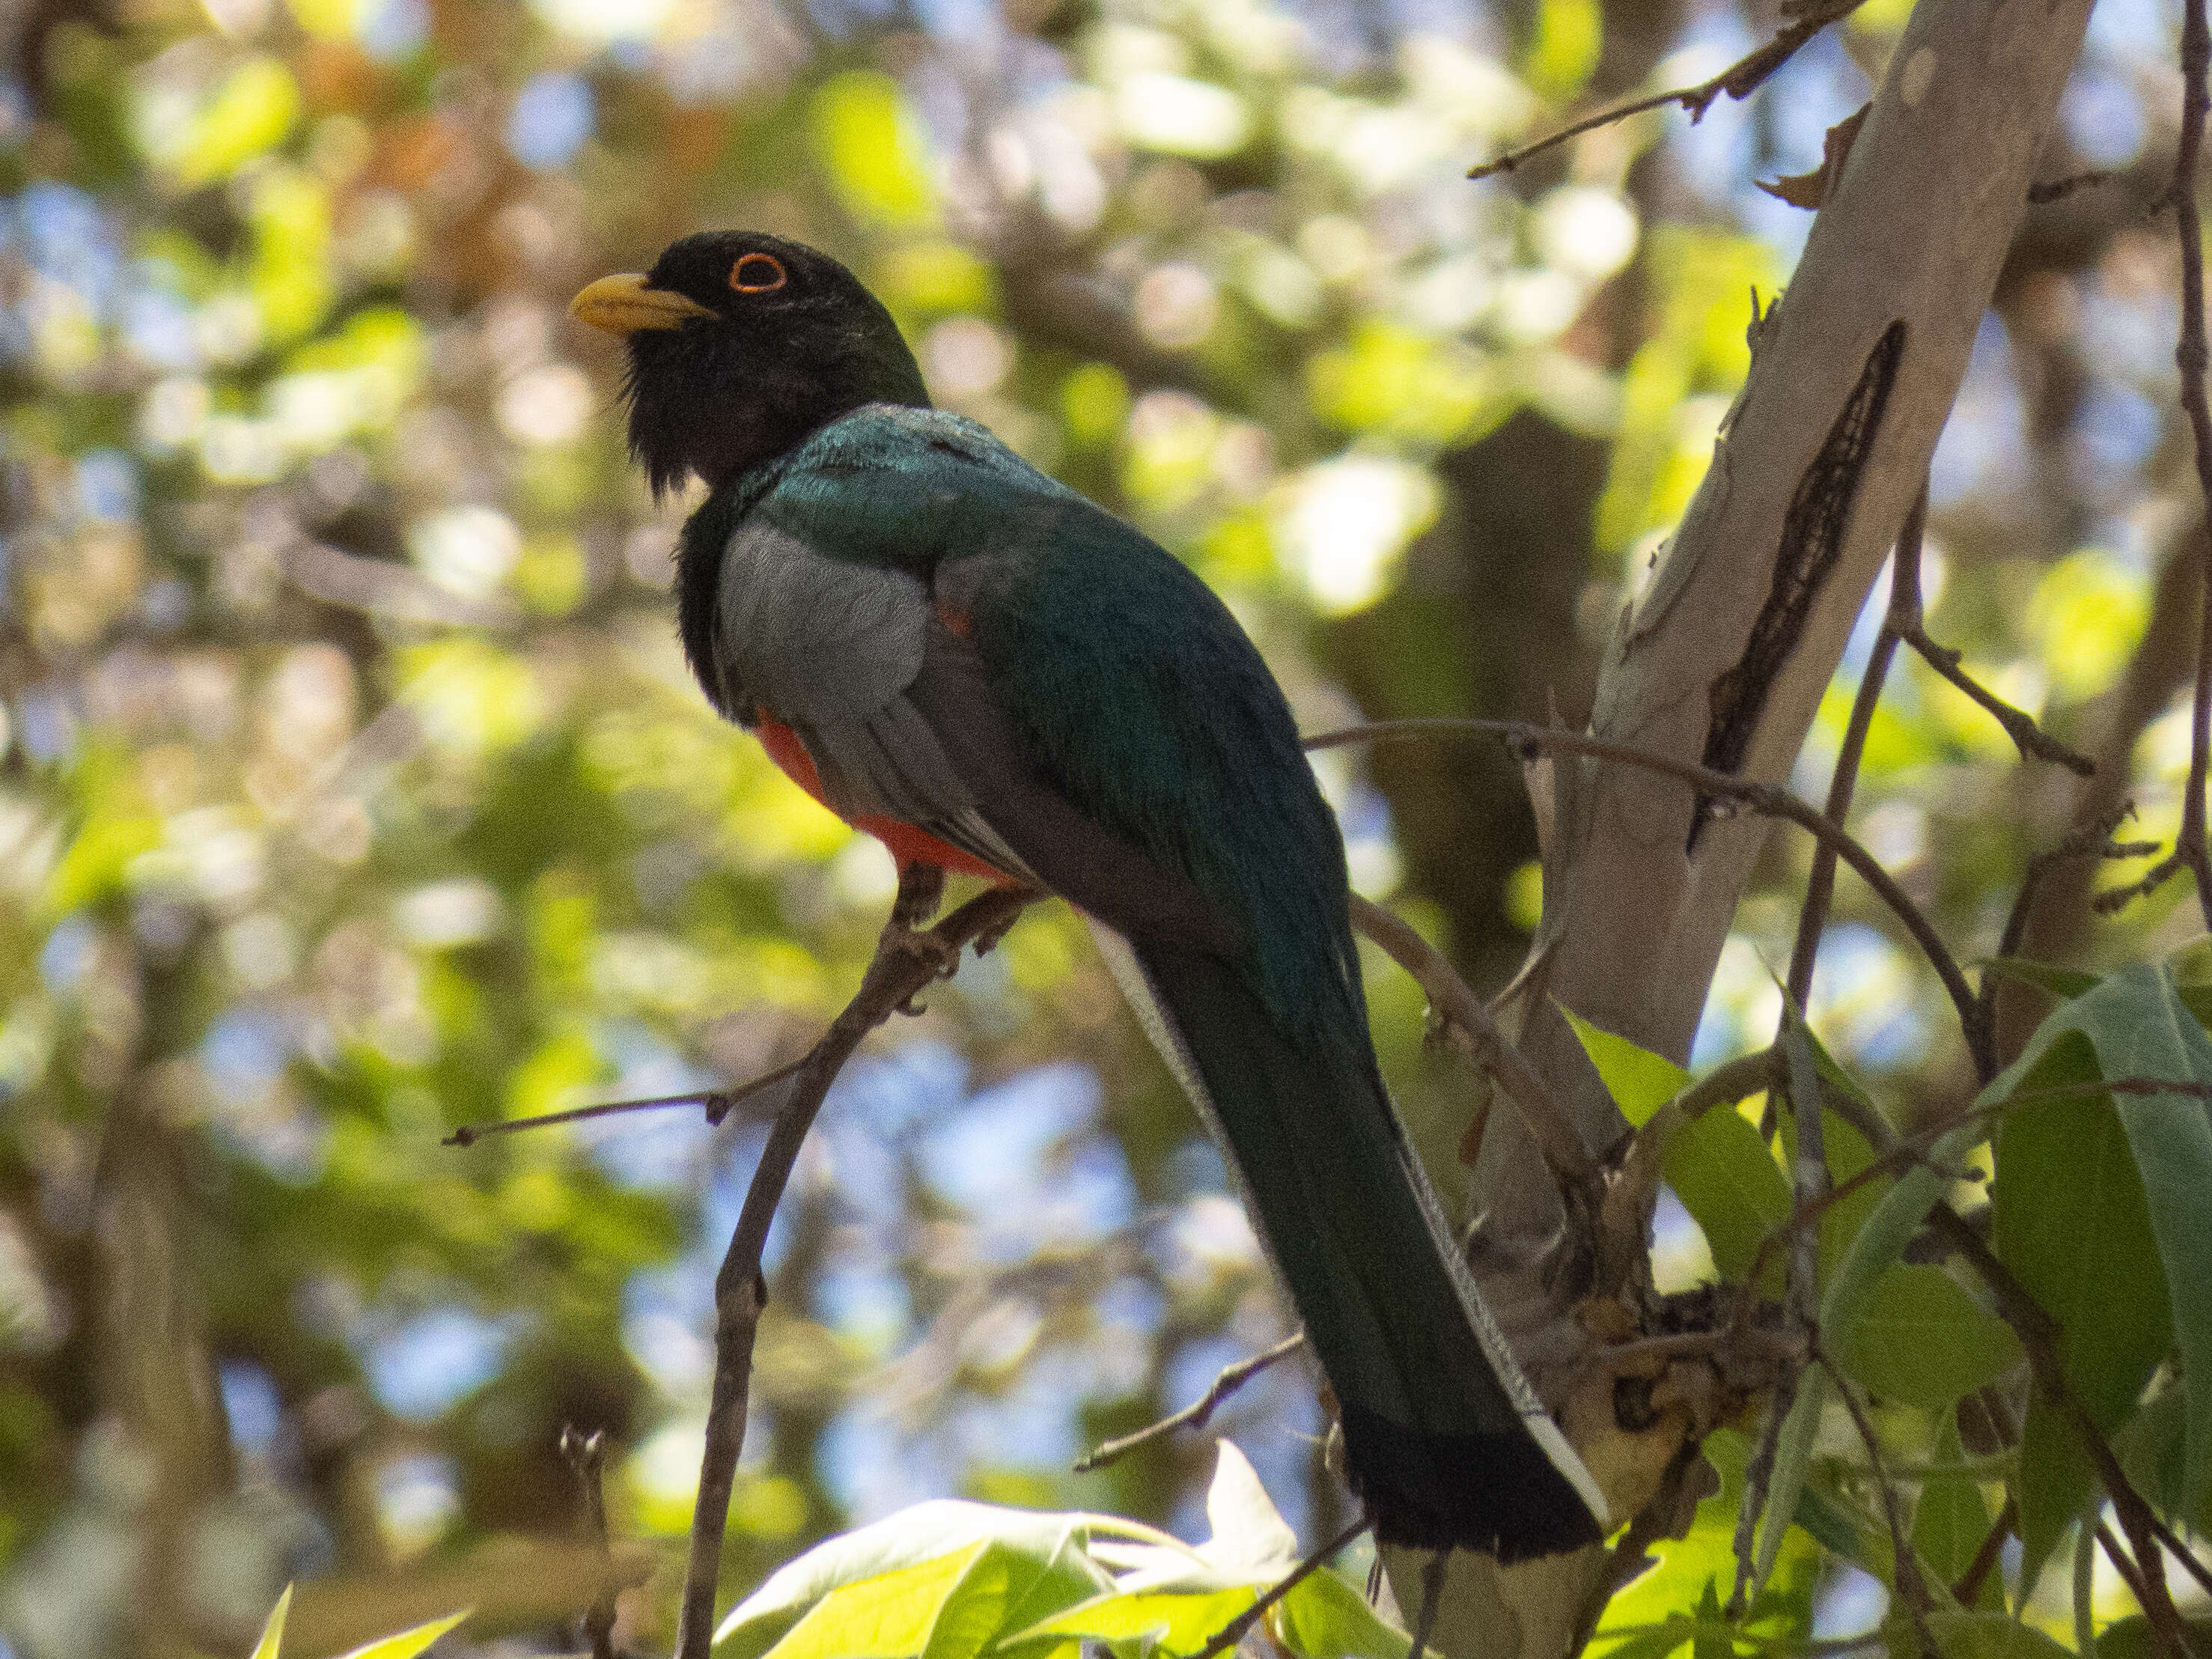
1196 1414
1738 81
896 975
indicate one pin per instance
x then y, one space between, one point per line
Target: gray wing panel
830 648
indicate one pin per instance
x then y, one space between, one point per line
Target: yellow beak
624 304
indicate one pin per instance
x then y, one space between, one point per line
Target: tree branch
897 973
1820 885
1765 799
1194 1415
1738 81
2190 355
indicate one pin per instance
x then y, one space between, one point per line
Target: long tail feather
1445 1440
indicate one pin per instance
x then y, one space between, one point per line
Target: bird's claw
942 956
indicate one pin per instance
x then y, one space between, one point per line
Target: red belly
907 844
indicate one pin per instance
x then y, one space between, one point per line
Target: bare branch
2031 739
1738 81
1820 885
2039 1336
1968 1590
2190 850
896 975
1196 1414
718 1102
1764 798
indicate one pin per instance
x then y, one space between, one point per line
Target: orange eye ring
758 273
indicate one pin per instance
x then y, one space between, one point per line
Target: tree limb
896 975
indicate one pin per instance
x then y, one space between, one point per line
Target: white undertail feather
1129 974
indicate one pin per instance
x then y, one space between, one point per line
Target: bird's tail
1445 1440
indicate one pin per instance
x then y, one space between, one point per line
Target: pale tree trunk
1913 232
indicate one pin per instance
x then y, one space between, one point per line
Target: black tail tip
1497 1493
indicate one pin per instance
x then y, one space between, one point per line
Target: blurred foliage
352 787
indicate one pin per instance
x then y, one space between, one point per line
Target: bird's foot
920 890
943 957
987 940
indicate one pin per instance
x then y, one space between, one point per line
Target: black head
740 344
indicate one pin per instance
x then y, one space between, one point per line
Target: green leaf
1729 1182
2130 1639
1324 1618
272 1633
2072 1223
408 1643
1168 1622
2141 1029
1951 1520
1880 1238
1921 1339
1639 1081
1792 1459
1054 1544
931 1608
1991 1636
2054 1487
2064 984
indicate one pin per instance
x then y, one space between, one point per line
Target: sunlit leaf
272 1633
408 1643
925 1534
1639 1081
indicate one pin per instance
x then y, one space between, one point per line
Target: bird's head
741 343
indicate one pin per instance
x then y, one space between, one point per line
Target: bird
995 676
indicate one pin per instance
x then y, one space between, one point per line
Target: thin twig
1820 885
2121 1565
717 1101
896 975
2190 355
2031 739
1738 81
1764 798
1194 1415
1232 1634
1549 1122
588 1456
1905 1569
2090 840
1968 1590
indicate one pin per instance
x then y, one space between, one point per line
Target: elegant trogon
993 674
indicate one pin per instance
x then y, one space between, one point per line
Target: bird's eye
758 273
